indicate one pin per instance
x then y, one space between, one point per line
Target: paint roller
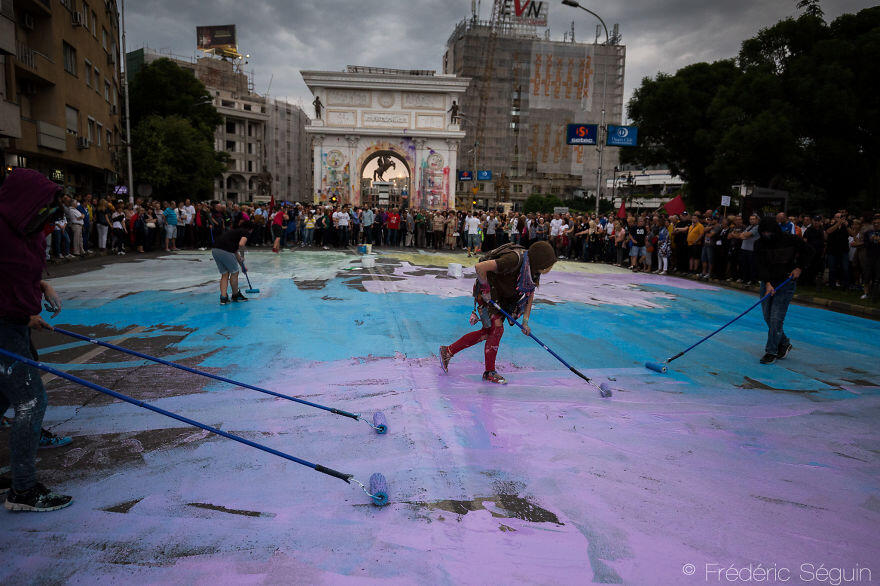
661 367
378 486
381 427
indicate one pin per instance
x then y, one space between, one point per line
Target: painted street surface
721 463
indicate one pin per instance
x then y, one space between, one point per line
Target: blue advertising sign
465 176
484 175
622 135
581 134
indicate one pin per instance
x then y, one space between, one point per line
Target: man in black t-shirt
227 255
814 234
637 250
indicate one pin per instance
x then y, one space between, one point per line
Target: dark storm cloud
285 37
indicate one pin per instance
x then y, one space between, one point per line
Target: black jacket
780 254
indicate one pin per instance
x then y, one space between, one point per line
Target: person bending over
507 275
227 254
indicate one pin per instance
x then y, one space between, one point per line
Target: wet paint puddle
514 505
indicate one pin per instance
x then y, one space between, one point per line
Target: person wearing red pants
507 275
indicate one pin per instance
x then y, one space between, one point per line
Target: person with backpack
508 276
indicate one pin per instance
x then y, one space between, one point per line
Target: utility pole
127 114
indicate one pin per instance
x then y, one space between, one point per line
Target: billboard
622 136
465 176
581 134
217 38
484 175
526 12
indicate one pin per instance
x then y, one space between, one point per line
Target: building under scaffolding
537 86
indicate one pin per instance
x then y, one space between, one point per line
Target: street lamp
476 144
603 130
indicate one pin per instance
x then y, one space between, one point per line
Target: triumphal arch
385 137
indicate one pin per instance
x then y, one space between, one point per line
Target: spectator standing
837 243
170 213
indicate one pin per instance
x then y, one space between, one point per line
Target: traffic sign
622 136
581 134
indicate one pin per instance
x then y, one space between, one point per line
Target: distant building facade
60 91
264 138
537 87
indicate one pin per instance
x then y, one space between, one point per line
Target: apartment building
60 91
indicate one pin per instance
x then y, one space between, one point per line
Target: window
517 188
109 139
230 146
88 73
250 166
99 133
107 91
91 136
536 189
85 13
94 24
104 38
97 80
72 116
250 148
230 127
482 186
69 58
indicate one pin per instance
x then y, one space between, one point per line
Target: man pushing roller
508 276
227 255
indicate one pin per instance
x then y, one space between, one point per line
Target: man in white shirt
472 229
555 225
341 220
75 219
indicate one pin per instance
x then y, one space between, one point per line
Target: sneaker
238 297
662 272
865 296
224 300
783 351
445 357
768 358
38 499
202 248
493 377
5 485
5 422
50 440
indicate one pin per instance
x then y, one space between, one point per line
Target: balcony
34 64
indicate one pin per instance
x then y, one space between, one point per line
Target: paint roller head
656 367
252 291
379 490
604 390
380 423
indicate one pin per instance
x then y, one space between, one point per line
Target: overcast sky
286 36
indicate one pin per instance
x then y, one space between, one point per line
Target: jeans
309 236
747 265
838 269
60 243
774 308
22 389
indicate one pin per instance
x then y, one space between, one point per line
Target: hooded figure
778 256
28 203
510 281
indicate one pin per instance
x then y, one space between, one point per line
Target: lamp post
476 144
127 115
603 130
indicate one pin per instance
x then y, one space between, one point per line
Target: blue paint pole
379 429
661 367
348 478
604 389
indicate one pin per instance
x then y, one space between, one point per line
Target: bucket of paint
454 270
369 248
362 249
368 262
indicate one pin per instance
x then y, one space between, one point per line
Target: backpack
497 253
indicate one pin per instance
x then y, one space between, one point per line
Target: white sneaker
865 296
662 272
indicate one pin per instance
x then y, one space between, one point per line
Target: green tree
797 110
674 116
173 157
163 88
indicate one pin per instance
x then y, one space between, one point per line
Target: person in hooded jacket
29 204
509 279
778 256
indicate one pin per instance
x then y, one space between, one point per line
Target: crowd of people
703 244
